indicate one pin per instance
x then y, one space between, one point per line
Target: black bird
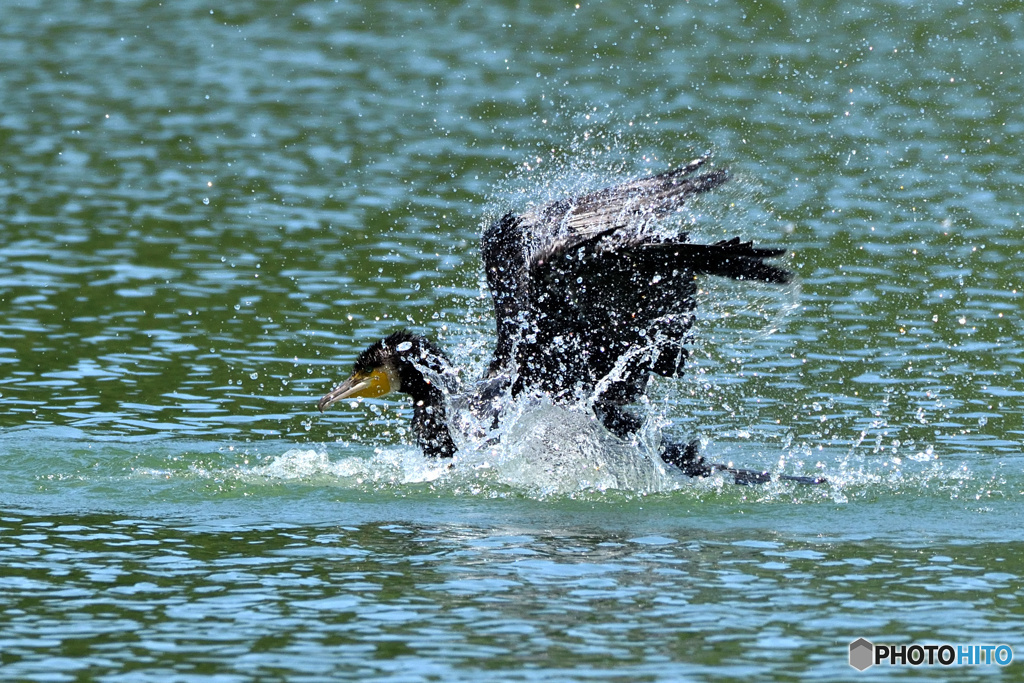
589 301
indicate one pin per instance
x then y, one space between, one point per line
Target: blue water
206 212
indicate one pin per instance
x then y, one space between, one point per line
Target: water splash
546 449
552 452
387 467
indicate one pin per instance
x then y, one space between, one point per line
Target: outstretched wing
583 302
576 220
611 311
513 242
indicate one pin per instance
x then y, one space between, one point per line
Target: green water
207 210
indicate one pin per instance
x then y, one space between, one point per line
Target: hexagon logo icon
862 654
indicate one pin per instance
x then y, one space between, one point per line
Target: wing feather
582 303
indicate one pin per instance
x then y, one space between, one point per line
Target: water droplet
404 346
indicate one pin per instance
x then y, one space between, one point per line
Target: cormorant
589 301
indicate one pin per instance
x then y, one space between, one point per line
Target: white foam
387 466
544 449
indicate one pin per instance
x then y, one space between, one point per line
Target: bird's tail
688 459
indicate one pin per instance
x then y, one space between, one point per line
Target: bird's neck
429 409
430 424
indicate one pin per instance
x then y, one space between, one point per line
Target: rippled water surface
206 211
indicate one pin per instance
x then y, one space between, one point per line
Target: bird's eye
404 346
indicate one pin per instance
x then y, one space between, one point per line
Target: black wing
583 303
612 311
511 243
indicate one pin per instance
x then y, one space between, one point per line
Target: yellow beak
374 384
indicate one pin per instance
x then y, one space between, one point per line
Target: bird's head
393 364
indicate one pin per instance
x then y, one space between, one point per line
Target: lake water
207 210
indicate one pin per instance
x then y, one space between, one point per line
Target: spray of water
541 449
